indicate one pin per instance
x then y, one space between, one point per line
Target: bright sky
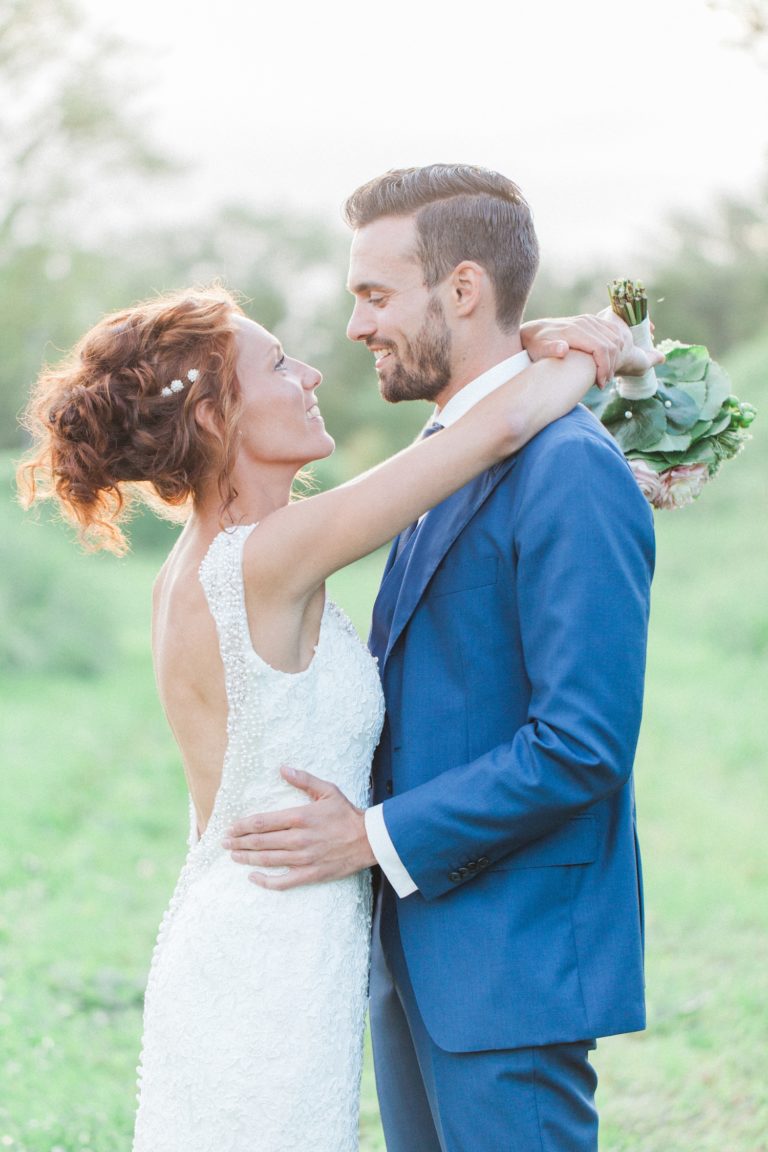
606 113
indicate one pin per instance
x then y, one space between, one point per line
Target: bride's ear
206 418
209 422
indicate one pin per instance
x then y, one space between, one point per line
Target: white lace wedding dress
255 1005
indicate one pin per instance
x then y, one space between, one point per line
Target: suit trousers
538 1099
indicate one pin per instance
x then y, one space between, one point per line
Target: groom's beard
426 371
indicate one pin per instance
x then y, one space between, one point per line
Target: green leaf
658 463
718 391
683 410
687 363
597 400
699 453
700 430
647 425
720 423
614 410
672 443
696 389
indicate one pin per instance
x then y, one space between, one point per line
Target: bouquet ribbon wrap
640 387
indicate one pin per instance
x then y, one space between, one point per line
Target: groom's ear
466 286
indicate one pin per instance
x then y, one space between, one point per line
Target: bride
255 1004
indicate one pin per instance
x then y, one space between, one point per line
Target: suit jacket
511 638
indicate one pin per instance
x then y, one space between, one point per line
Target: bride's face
280 420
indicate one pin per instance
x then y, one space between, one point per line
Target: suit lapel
406 578
384 606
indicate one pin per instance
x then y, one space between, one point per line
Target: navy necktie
406 534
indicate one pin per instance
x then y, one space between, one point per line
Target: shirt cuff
386 853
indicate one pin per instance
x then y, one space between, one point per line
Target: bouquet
680 421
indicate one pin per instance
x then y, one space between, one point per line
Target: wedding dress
255 1004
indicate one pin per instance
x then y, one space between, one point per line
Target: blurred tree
751 18
706 275
714 274
569 295
68 120
70 151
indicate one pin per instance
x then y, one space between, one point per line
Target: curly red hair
105 434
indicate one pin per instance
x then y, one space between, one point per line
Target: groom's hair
462 212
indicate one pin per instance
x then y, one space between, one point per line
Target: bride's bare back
187 662
189 672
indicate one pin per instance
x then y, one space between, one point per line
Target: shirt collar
481 386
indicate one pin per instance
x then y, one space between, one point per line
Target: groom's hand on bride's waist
322 840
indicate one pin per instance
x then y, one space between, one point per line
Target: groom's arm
385 852
583 544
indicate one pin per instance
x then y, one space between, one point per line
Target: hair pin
178 385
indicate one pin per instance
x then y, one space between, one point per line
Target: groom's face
396 315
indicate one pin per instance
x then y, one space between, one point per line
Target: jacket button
483 862
454 877
462 872
472 865
388 787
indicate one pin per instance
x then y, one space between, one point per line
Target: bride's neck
259 492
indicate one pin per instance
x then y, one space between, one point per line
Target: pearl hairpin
178 385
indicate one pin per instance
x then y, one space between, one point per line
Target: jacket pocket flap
574 843
452 577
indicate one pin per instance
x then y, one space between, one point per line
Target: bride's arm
300 545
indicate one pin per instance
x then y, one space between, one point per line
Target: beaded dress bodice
255 1003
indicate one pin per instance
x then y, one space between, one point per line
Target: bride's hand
604 337
555 336
631 360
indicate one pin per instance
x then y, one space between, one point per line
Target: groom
510 631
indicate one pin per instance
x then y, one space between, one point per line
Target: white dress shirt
466 398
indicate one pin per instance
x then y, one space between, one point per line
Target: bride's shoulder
159 583
178 576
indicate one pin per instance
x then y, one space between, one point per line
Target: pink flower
650 482
681 485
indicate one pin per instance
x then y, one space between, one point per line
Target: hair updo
107 428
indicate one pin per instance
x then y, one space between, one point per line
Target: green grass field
94 822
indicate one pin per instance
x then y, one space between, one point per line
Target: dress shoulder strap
221 576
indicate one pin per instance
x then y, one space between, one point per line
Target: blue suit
511 637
